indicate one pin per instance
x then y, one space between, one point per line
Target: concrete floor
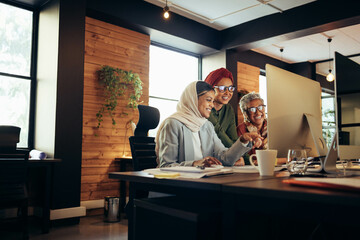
90 228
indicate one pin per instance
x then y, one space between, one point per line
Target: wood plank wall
247 79
107 44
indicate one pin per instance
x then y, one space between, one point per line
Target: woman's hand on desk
240 162
207 162
253 137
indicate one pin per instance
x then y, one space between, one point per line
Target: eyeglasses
260 108
224 88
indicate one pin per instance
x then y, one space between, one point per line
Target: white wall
213 62
47 70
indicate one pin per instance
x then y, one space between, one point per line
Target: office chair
13 180
142 146
148 213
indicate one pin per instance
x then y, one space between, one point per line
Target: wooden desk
303 208
47 165
204 188
245 195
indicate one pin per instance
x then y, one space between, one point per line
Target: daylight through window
16 26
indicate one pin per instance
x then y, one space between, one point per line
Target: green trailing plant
115 82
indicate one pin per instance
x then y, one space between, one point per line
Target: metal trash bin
112 209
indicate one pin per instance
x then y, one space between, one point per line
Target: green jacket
224 124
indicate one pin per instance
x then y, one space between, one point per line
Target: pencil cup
266 161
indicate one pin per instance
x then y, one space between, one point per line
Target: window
170 73
262 88
328 116
16 30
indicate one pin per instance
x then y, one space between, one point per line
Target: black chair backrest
148 119
143 152
9 137
143 147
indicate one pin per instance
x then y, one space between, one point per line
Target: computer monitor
347 93
294 113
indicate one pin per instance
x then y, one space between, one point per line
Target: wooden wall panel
247 79
107 44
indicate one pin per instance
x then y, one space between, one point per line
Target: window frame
166 47
160 45
33 66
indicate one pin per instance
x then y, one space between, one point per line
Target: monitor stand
329 165
331 157
316 134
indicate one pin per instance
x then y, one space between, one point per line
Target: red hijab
215 76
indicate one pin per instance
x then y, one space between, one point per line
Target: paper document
346 184
251 169
190 169
186 173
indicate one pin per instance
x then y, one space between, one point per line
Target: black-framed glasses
261 108
224 88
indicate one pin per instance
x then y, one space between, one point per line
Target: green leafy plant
329 125
115 82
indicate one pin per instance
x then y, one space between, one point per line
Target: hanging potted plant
115 82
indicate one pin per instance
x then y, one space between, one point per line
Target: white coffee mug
266 161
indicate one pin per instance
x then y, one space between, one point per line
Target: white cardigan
176 147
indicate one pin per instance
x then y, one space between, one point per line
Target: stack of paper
252 169
187 172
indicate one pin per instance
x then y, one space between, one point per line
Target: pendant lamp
166 11
330 77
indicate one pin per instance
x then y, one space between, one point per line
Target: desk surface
207 183
275 187
248 194
47 160
127 159
249 183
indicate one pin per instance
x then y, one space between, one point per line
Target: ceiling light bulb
166 12
330 77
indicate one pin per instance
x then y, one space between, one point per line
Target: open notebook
187 172
195 172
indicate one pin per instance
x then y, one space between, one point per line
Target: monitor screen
347 92
294 113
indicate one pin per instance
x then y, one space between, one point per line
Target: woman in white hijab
187 138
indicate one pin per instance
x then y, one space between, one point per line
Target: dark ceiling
188 35
29 3
315 17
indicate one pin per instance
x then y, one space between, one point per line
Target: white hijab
187 111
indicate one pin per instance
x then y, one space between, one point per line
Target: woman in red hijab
222 115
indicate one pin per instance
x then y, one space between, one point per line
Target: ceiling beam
148 17
189 35
312 18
